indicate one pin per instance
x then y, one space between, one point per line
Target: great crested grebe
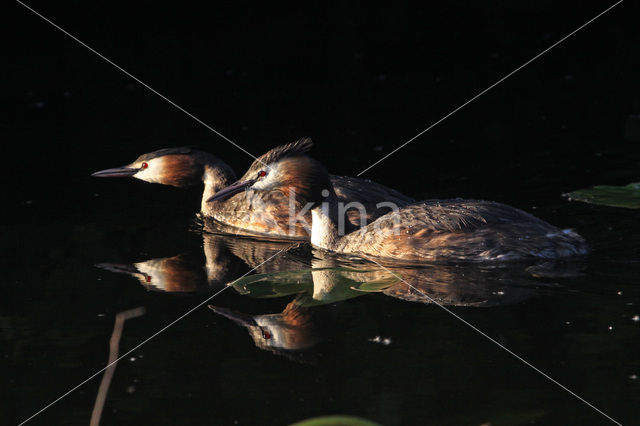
258 213
426 231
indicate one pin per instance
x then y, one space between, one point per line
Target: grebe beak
120 268
238 317
231 190
116 172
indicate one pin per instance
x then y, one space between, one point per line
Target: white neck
214 179
325 279
324 224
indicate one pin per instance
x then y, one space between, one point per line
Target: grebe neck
215 177
325 225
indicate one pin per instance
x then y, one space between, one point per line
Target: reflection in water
334 279
221 260
464 285
316 280
296 329
306 320
171 274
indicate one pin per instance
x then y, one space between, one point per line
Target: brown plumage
293 149
252 213
458 229
431 230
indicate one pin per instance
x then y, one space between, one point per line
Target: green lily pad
319 286
336 421
377 285
274 284
627 196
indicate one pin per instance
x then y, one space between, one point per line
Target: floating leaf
338 420
274 284
627 196
322 285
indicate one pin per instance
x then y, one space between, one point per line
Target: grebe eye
262 173
144 166
266 335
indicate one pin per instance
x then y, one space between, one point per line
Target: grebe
427 231
250 213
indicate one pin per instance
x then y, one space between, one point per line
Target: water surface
328 337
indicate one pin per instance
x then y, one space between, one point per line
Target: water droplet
383 340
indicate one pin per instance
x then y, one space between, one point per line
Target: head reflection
209 266
296 328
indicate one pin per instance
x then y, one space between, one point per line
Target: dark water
360 83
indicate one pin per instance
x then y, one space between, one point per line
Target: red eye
263 173
144 166
266 335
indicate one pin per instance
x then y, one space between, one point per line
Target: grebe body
427 231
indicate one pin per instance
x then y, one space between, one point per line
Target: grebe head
170 166
287 169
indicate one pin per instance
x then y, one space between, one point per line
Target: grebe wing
366 191
466 230
368 194
454 215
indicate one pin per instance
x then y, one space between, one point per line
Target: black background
357 79
360 80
